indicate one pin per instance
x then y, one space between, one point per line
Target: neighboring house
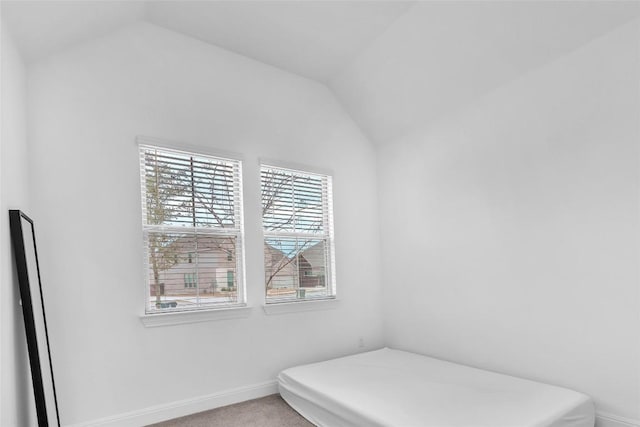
211 270
308 267
276 264
312 267
214 267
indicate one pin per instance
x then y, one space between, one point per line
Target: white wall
86 107
510 228
16 406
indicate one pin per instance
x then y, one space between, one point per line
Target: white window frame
166 316
327 235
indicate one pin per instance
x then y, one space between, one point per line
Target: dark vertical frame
18 235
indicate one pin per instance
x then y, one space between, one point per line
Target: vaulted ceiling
440 56
311 38
393 64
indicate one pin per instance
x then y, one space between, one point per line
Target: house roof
289 250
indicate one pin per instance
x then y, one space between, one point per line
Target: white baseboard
155 414
605 419
158 413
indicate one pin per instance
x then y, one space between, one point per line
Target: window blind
297 218
192 229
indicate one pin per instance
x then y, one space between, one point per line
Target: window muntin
297 218
192 228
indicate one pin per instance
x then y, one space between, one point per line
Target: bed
390 387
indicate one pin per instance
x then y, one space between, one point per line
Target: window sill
300 306
196 316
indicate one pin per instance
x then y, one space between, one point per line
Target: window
190 280
230 282
297 218
192 228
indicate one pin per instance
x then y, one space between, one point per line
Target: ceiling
314 39
311 38
394 65
441 56
40 28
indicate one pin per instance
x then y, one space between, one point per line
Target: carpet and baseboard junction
269 411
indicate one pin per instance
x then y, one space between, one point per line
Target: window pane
295 268
189 190
188 270
292 202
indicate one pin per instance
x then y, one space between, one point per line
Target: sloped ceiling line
393 66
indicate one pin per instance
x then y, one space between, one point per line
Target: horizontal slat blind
192 227
298 229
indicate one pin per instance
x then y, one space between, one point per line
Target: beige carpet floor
269 411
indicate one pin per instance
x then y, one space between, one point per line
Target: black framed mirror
26 256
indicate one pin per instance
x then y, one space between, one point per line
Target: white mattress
396 388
